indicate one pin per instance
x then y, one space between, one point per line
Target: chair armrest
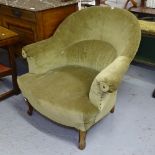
33 49
42 55
108 80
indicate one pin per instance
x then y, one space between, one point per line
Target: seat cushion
62 95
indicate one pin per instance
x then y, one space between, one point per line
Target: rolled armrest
41 55
110 77
35 48
108 80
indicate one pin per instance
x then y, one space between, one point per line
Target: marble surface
37 5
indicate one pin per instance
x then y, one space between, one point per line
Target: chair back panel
94 54
116 26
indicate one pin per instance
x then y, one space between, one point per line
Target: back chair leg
30 108
113 109
82 139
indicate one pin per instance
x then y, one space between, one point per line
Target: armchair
74 75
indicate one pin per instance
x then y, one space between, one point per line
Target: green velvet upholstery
147 27
74 75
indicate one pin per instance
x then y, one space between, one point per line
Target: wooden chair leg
113 109
30 108
133 2
82 139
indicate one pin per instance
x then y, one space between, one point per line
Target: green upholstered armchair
74 75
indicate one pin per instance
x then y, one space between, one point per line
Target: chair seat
61 94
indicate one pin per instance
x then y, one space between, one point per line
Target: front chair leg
30 108
113 109
82 139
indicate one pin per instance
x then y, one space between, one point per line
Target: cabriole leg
113 109
30 108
